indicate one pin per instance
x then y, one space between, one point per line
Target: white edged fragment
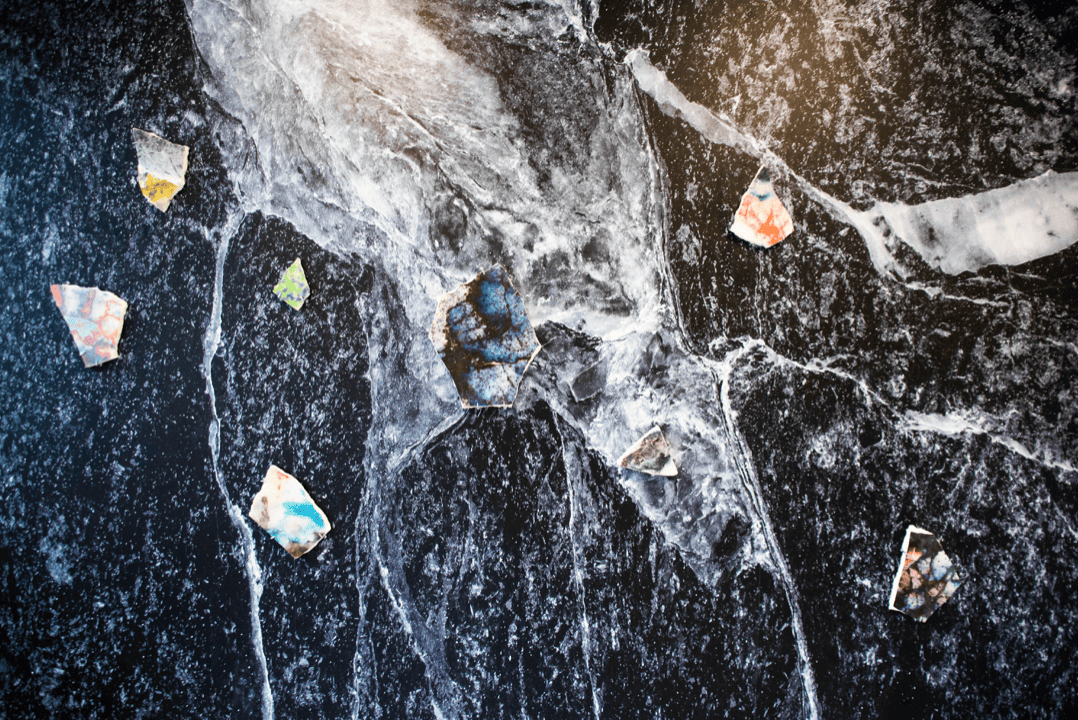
761 218
482 333
162 167
95 318
926 577
650 454
284 509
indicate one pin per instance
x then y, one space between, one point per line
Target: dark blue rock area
117 587
482 333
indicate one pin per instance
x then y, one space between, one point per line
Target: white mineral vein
210 343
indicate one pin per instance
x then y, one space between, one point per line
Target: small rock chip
162 167
293 287
650 454
483 335
761 219
926 577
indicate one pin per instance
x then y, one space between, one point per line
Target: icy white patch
716 128
361 118
688 396
1009 226
360 109
953 424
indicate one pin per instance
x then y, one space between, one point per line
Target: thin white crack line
907 420
578 575
914 421
360 534
718 128
210 344
743 457
390 464
747 473
397 602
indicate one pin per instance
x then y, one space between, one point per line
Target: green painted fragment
293 287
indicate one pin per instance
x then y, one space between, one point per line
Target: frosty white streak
747 472
1009 226
364 646
210 343
572 472
955 424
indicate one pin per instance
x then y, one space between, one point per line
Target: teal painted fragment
284 509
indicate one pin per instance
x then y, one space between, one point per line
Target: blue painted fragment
482 332
284 509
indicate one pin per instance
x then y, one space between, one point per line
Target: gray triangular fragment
650 454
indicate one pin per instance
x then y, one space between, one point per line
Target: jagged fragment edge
163 203
670 464
307 494
280 282
56 291
901 564
741 200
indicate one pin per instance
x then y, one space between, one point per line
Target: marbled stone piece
482 333
762 219
284 509
162 167
293 287
650 454
95 318
926 577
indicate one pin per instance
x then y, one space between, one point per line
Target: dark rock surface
496 563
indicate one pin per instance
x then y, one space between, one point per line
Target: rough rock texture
496 562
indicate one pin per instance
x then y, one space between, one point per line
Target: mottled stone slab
284 509
293 287
762 219
162 167
926 577
650 454
95 318
482 332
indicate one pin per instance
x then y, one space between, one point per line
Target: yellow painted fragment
156 189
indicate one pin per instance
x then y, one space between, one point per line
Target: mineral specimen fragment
284 509
95 318
761 218
293 287
650 454
482 333
926 578
162 166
